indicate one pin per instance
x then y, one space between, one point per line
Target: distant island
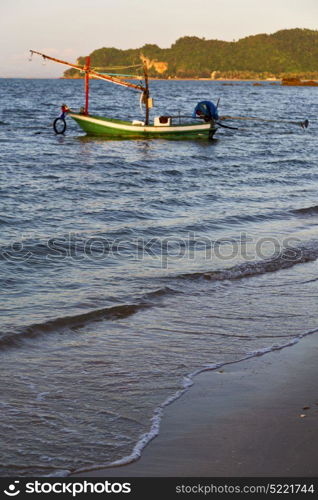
289 53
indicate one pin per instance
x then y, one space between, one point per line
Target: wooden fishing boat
110 127
163 127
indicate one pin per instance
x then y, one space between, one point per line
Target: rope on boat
101 68
121 74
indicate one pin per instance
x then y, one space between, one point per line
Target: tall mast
87 69
146 92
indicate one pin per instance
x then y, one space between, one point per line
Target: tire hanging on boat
59 128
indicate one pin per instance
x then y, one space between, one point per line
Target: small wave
266 216
160 292
289 257
306 211
80 320
72 322
234 220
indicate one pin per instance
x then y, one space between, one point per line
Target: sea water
127 267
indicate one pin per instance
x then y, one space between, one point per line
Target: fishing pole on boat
303 124
91 72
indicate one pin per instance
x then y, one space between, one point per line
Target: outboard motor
206 110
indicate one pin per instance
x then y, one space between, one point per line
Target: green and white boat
112 128
163 127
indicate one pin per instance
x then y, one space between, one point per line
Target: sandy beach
254 418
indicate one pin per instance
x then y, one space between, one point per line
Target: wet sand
258 417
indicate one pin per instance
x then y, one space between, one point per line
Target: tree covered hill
291 52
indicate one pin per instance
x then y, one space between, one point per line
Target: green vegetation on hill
286 53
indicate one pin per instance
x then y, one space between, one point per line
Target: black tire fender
59 128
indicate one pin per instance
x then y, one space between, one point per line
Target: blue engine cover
206 109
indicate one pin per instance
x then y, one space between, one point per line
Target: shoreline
220 80
256 417
224 81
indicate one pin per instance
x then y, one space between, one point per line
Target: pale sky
70 28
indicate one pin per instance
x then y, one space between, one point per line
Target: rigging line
137 77
100 68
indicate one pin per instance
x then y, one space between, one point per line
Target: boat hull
112 128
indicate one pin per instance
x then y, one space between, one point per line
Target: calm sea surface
128 266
